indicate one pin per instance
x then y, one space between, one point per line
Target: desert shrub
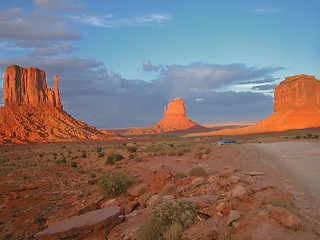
171 145
315 136
169 189
144 199
132 149
173 232
100 154
113 183
73 164
99 149
181 151
180 175
131 156
114 158
38 218
309 135
297 137
171 153
197 171
41 155
142 188
165 215
84 155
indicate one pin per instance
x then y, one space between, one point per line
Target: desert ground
43 184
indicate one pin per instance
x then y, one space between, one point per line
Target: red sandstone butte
32 112
174 120
296 106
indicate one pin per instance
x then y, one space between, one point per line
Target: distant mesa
32 112
296 106
174 120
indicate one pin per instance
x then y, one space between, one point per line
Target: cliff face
297 92
32 112
27 86
174 120
296 106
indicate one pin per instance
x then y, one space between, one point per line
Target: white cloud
108 21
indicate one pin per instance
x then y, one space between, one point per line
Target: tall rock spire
56 92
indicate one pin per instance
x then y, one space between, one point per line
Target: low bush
114 158
132 149
113 183
197 172
169 189
144 199
73 164
167 218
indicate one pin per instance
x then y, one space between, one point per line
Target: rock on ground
106 218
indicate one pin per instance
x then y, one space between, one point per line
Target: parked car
224 142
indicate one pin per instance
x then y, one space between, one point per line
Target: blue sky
120 62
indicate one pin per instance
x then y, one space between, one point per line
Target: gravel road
301 159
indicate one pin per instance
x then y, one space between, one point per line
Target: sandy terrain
39 187
300 159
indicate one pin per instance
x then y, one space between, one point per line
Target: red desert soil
40 186
296 106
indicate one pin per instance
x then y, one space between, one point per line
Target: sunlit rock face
174 120
297 92
296 106
27 86
32 112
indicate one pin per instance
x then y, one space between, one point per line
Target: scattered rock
202 201
227 208
106 218
234 179
286 218
254 173
168 197
204 157
238 190
223 183
279 197
197 181
152 200
234 215
108 203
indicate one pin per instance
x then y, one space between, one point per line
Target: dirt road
301 159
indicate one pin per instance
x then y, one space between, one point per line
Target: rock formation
32 112
296 106
174 120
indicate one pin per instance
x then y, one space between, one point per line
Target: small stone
234 179
234 215
197 181
254 173
227 208
152 200
204 157
223 183
211 179
168 197
220 207
238 190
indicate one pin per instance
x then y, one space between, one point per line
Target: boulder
106 218
286 218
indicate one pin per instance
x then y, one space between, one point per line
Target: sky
119 62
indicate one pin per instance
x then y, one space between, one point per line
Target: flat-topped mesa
297 92
27 86
175 108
